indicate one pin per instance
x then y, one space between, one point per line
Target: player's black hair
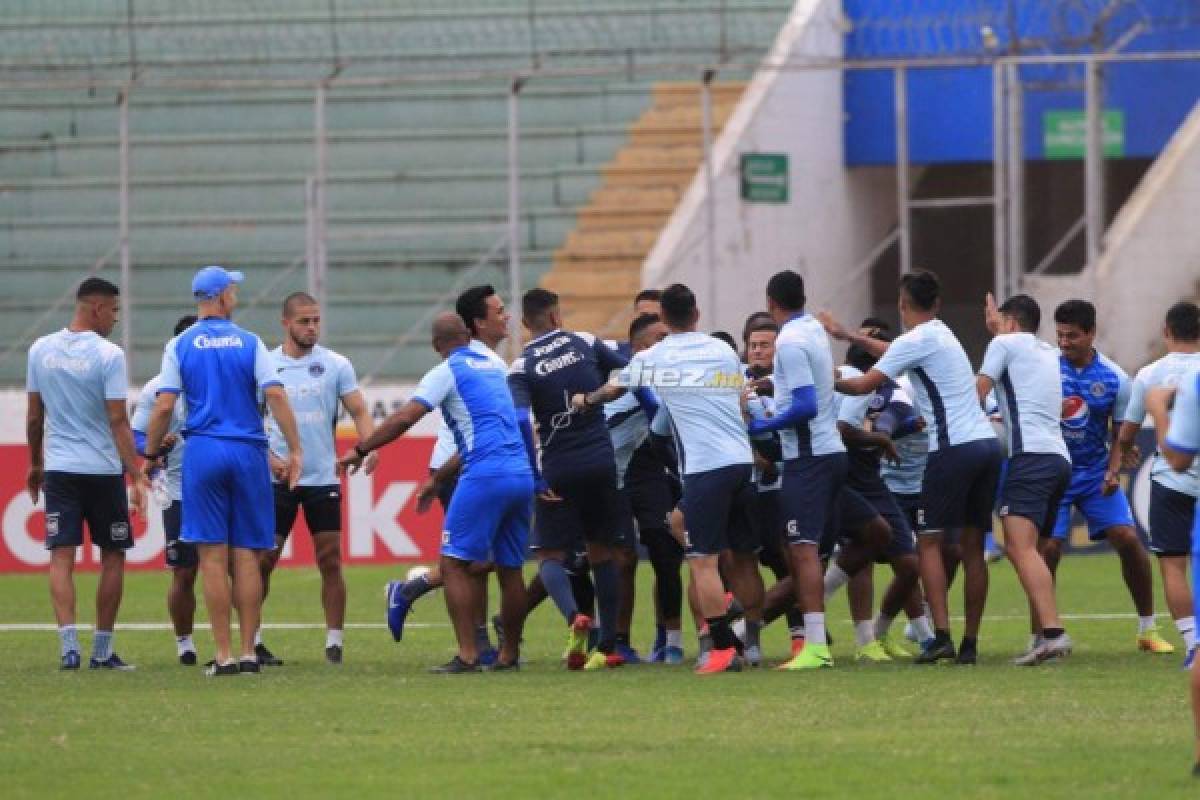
297 299
96 287
472 304
875 323
726 338
648 294
1025 310
185 322
640 324
1183 321
1079 313
678 305
763 325
753 320
922 287
787 290
537 302
862 359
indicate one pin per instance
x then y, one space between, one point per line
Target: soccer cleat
934 651
249 666
726 660
71 660
112 662
333 654
1151 641
813 656
265 657
797 646
1029 657
577 641
488 657
673 656
894 646
600 661
658 655
500 666
872 651
753 656
188 658
1046 650
1189 658
455 666
215 670
629 654
967 656
397 609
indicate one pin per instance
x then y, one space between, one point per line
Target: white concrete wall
835 216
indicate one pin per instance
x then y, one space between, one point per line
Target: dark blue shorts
591 510
910 506
179 555
227 493
99 500
883 503
1100 510
1033 488
812 486
1172 516
719 511
959 488
488 519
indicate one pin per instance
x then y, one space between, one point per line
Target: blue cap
211 281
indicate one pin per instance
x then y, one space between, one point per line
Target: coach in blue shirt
226 478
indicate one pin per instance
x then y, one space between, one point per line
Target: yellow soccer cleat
873 652
1152 642
600 660
894 647
813 656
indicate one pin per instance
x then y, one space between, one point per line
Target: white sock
675 638
184 644
739 629
835 578
258 637
1187 629
814 627
883 624
864 632
333 638
1146 624
922 628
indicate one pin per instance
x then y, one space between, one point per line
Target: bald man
488 518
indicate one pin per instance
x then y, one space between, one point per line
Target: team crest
1098 389
316 370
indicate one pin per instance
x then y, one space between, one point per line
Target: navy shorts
809 499
910 506
1172 515
227 491
719 511
180 555
773 554
322 508
99 500
1100 510
959 488
488 519
590 510
1033 488
627 527
881 503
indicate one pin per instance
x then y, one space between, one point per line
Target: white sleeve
264 368
1184 433
853 410
793 358
116 382
434 387
903 354
170 379
1135 409
995 358
31 382
347 381
141 410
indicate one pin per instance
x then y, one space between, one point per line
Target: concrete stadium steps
598 269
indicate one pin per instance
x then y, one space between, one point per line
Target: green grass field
1111 722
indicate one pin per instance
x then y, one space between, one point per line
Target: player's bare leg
975 584
512 613
461 604
247 597
181 600
327 547
110 588
218 596
746 582
710 601
62 584
1178 593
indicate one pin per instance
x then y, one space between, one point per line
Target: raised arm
356 407
392 428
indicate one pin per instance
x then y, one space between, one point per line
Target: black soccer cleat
455 666
71 660
938 650
967 656
265 657
216 670
249 666
333 654
113 662
188 658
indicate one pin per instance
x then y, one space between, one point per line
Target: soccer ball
416 572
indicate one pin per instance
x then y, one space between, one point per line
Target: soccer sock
482 640
883 623
608 598
753 634
675 638
1146 624
814 626
722 635
795 619
660 637
258 637
417 587
333 638
835 578
1187 629
922 628
102 645
969 642
68 639
796 631
184 644
864 632
558 586
1052 633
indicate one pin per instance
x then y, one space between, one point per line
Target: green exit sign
764 177
1064 134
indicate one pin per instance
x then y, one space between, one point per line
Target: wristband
358 449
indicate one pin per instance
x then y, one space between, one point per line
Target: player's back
478 408
803 357
76 372
1169 371
628 428
1092 396
1028 383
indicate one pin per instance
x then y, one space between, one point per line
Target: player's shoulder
1108 367
107 350
588 338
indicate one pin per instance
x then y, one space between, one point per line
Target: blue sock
989 542
558 585
102 645
608 599
68 639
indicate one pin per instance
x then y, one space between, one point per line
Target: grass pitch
1110 722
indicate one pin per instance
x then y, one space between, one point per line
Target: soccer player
316 379
1172 494
578 498
698 381
180 556
79 442
1025 373
1095 395
220 369
963 465
489 514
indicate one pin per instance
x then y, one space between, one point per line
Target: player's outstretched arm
599 397
392 428
441 476
35 429
860 384
122 433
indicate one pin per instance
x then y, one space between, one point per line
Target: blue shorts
488 519
720 511
1100 510
959 488
1033 488
808 501
1172 517
227 493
